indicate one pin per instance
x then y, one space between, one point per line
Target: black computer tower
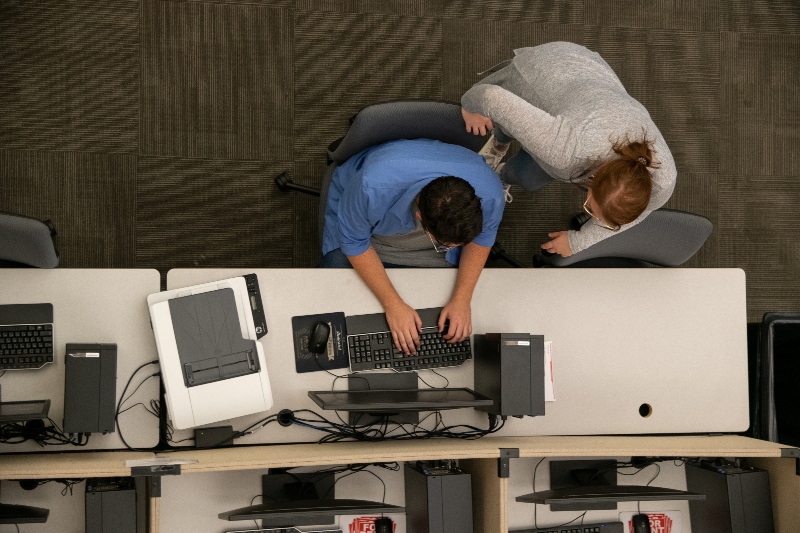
90 388
116 505
509 369
737 499
438 499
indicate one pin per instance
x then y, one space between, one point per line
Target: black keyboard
370 346
26 336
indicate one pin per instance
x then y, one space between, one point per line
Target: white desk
672 338
89 306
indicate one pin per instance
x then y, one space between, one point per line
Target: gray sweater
566 106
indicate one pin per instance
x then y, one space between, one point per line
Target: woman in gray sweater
577 124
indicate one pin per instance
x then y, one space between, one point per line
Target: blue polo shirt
372 192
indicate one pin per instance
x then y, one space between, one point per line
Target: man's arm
404 322
458 310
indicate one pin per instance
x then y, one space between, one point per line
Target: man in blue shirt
415 201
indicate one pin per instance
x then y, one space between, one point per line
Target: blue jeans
521 169
337 259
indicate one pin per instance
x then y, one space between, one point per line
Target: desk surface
89 306
672 338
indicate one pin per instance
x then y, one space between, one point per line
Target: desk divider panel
489 496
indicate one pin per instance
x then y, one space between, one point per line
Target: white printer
212 363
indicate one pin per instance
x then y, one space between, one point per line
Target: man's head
450 211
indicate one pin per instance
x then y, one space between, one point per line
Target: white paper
549 378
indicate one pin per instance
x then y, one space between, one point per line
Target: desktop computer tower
116 505
737 499
438 498
90 388
509 369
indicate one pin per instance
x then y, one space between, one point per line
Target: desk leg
489 496
784 486
154 516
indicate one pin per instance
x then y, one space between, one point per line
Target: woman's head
620 188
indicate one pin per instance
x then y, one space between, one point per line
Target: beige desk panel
673 338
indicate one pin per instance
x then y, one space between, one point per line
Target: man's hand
476 123
459 313
559 245
405 325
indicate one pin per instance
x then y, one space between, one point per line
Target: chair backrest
26 241
667 237
391 121
404 119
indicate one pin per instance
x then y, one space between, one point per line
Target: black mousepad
335 355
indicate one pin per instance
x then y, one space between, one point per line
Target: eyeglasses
599 221
439 247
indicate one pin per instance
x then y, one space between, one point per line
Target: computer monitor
393 401
591 484
22 514
607 494
307 512
393 397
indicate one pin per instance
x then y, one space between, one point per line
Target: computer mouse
641 524
318 338
383 525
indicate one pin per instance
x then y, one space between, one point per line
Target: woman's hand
476 123
559 245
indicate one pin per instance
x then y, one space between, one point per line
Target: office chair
384 122
26 242
667 237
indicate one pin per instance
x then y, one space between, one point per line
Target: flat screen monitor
607 494
392 401
23 411
307 512
22 514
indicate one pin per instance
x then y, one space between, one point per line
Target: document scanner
212 364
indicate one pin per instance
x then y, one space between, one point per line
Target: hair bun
643 160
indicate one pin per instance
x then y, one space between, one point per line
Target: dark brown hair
450 210
622 186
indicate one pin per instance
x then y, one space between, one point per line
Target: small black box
213 437
438 499
116 505
90 388
509 369
737 499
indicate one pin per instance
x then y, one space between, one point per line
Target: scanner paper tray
209 338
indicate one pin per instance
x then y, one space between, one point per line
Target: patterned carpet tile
410 8
557 11
344 61
758 232
70 75
760 16
760 104
212 213
89 197
655 14
217 80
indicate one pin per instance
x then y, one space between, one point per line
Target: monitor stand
582 473
383 381
278 485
